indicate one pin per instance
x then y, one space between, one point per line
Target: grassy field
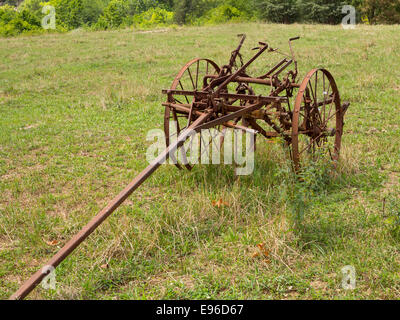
74 113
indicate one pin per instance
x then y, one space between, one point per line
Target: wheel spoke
315 118
316 90
191 78
312 142
197 74
180 83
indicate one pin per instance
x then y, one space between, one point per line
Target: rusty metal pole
31 284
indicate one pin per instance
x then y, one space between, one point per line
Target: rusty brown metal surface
317 114
201 97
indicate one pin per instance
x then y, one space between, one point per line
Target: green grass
74 113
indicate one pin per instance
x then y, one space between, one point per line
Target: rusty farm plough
204 95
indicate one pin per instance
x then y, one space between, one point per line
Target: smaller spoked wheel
317 123
192 77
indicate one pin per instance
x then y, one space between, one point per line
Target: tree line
25 16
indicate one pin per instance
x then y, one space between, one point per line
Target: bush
34 6
189 11
323 11
114 14
382 11
120 12
222 14
13 22
69 13
7 13
279 11
92 10
153 17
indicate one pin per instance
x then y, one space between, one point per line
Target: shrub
189 11
34 6
92 10
13 22
69 13
323 11
153 17
114 13
222 14
7 13
278 11
382 11
121 12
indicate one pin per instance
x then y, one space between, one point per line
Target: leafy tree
92 10
183 8
188 11
322 11
13 22
382 11
68 13
247 7
166 4
121 12
153 17
11 2
32 5
7 13
279 11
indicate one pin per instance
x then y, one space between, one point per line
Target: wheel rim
190 77
317 124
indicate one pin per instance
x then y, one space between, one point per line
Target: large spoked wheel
192 77
317 124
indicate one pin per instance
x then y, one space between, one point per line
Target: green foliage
182 10
92 10
322 11
278 11
33 6
381 11
114 14
222 14
69 13
14 22
311 182
392 211
121 12
11 2
189 11
109 14
153 17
